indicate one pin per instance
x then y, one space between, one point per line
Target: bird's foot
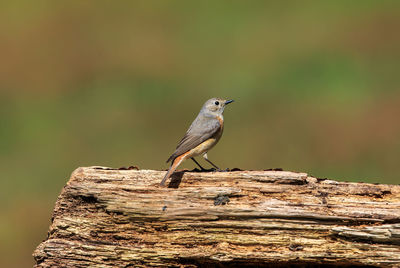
204 170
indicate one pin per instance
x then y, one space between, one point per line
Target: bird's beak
228 101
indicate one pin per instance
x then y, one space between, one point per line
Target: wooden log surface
122 218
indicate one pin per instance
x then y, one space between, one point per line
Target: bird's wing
199 131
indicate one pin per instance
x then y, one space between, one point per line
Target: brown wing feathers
195 136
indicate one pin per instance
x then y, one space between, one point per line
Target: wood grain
123 218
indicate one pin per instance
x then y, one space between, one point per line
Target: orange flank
221 121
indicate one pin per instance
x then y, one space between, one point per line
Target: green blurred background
117 83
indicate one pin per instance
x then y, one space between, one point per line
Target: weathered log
123 218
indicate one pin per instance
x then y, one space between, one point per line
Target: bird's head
215 106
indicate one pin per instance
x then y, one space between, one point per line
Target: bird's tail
175 163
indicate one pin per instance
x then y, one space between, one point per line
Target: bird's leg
206 158
197 163
217 168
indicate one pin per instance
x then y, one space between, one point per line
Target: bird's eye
216 103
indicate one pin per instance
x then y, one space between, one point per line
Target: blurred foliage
316 85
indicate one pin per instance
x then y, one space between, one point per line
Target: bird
202 135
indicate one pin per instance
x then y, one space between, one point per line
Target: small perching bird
202 135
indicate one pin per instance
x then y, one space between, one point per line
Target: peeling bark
123 218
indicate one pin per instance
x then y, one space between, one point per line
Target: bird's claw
206 170
212 170
221 170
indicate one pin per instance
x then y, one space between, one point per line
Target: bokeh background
117 83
